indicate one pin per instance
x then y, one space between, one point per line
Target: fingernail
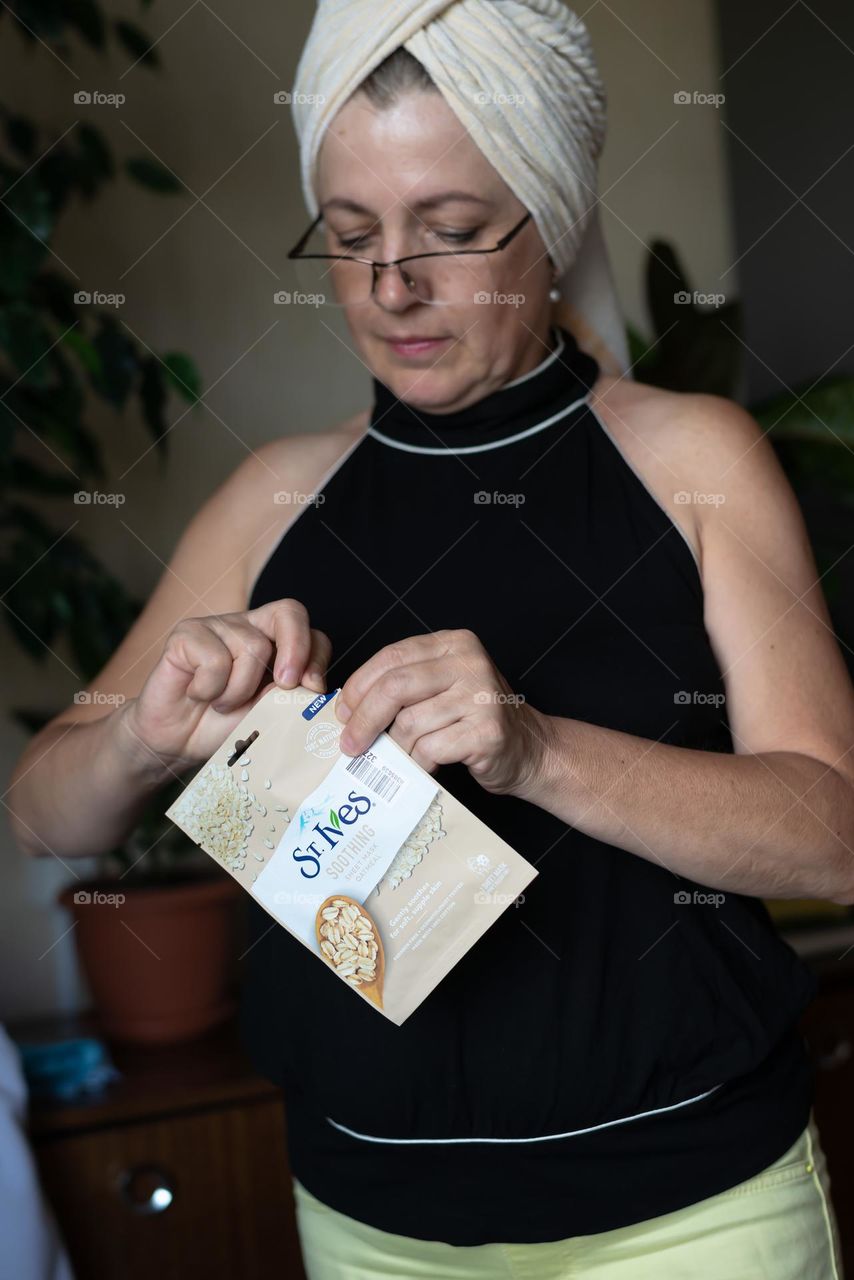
342 710
345 743
287 675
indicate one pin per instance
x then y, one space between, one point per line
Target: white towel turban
545 142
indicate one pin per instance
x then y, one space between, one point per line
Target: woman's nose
390 289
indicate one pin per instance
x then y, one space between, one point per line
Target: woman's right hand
213 670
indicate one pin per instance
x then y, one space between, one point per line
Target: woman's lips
415 347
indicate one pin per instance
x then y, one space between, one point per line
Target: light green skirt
778 1225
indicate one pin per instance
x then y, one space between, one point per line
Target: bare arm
776 819
83 782
81 786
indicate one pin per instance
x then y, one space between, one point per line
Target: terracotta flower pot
160 961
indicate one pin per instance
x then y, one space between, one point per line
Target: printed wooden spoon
331 913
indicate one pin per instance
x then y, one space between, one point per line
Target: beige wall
204 283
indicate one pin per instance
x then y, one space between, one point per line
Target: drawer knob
146 1189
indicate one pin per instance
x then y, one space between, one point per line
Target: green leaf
639 348
183 375
26 341
21 136
153 396
26 223
119 363
86 17
818 468
150 173
94 160
137 43
54 292
27 477
39 19
54 416
822 415
334 819
85 352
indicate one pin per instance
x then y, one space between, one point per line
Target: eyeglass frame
395 262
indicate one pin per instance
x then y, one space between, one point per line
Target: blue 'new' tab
321 700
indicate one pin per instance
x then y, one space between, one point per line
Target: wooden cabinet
179 1170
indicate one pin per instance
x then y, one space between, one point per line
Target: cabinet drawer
203 1194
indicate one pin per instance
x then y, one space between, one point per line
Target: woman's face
383 181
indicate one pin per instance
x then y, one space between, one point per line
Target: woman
610 1083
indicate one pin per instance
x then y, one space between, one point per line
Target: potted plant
154 931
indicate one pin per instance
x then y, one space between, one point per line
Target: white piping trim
633 468
532 373
478 448
547 1137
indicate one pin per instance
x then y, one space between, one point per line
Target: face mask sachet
386 877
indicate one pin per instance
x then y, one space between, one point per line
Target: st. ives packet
386 877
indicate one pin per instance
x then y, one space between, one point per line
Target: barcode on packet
379 778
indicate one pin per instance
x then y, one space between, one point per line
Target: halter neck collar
530 403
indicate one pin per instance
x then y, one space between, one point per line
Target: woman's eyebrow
427 202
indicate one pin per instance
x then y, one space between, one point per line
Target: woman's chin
429 390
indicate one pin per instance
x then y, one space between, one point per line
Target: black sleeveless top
621 1045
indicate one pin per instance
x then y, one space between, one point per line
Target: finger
412 649
205 650
286 623
395 689
318 661
451 744
414 722
196 663
250 652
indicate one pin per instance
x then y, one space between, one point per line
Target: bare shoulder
695 452
271 486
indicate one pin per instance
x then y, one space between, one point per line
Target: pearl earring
554 293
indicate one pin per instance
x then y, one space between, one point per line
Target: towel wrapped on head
522 78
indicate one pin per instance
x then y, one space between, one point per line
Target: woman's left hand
443 701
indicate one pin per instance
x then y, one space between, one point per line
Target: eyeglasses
444 278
